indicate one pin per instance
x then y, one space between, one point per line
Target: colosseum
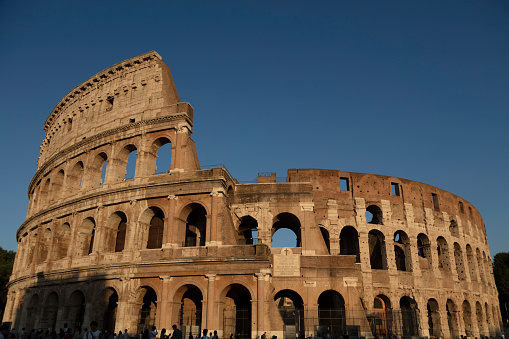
168 241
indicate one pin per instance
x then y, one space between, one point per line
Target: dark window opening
395 188
109 102
462 210
434 199
343 184
132 120
374 215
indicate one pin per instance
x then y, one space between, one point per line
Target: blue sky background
418 90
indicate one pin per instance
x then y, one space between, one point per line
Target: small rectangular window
470 211
395 188
462 210
343 184
434 199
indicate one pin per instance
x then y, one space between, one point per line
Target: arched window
286 231
471 263
156 229
458 260
63 240
86 235
110 314
402 251
435 329
98 170
43 246
195 216
44 196
467 318
349 242
409 317
248 230
480 266
453 228
56 190
443 254
374 215
147 313
325 237
452 320
424 251
75 178
377 253
131 154
162 148
115 233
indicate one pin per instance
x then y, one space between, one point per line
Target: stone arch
443 254
326 238
50 311
195 217
97 170
162 160
453 228
471 263
452 319
458 260
424 251
110 305
127 158
479 317
349 242
62 241
75 177
43 245
230 195
146 298
75 309
115 232
86 237
402 251
188 304
31 312
377 251
236 310
467 319
288 221
57 186
44 195
480 266
291 310
248 230
331 314
382 309
374 215
409 316
152 221
434 325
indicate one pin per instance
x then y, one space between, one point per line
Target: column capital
165 278
211 277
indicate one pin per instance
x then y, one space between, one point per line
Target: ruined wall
172 242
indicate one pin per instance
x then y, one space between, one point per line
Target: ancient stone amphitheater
172 242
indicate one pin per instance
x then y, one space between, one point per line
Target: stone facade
181 244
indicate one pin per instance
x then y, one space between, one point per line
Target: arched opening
453 228
190 311
162 149
325 237
349 242
480 267
156 228
471 263
237 311
489 321
62 241
32 312
443 254
467 319
452 319
402 251
458 260
196 225
291 309
230 195
479 317
286 222
121 233
57 188
382 320
331 315
76 310
110 313
148 309
44 196
374 215
409 317
435 329
130 167
377 253
75 178
424 251
43 246
85 239
98 170
248 231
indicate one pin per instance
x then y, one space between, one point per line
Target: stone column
211 321
261 309
170 233
164 309
216 196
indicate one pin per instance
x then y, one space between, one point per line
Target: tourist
204 336
94 333
177 334
215 335
153 333
4 330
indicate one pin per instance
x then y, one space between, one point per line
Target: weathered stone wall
176 244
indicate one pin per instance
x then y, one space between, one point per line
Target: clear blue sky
413 89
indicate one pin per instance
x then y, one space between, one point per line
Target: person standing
4 331
177 334
153 333
94 333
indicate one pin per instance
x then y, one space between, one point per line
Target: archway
291 309
452 320
76 309
237 311
286 221
382 320
331 315
31 312
50 311
190 299
110 313
402 251
349 242
467 319
409 317
196 225
424 251
435 329
374 215
377 253
248 230
147 313
443 254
